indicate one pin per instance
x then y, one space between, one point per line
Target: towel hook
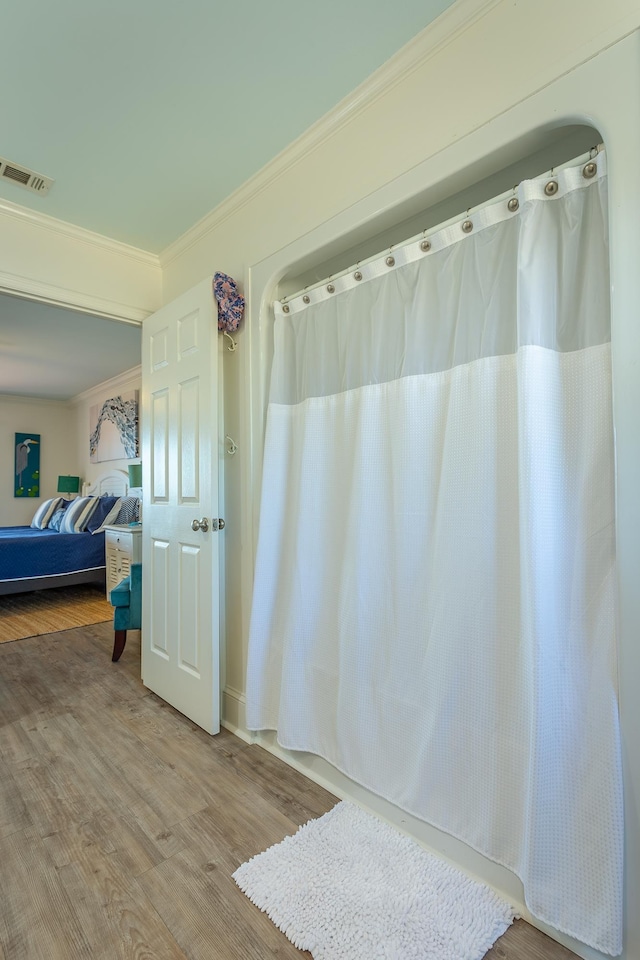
232 446
234 343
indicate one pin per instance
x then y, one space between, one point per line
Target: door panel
181 568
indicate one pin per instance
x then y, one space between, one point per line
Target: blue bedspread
27 553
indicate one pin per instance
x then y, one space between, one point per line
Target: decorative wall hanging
27 465
230 302
114 428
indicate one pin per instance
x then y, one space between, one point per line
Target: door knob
200 525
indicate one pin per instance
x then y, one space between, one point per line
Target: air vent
24 177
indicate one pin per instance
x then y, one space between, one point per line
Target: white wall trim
426 44
52 261
340 786
62 228
430 838
234 713
28 288
442 845
115 383
14 398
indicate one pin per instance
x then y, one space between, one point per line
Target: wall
130 380
458 75
56 423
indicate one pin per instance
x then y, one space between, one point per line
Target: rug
48 611
349 887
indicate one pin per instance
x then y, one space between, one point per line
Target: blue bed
38 559
33 559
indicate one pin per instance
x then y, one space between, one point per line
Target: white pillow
77 514
44 513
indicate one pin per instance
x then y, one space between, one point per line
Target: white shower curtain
434 600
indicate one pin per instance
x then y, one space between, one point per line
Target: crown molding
122 380
18 398
29 289
61 228
455 20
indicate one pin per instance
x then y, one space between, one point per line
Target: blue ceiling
148 114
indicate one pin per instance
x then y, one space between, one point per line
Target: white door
180 565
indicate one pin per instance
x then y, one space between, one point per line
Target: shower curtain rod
423 237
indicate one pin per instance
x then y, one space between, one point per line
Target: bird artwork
27 466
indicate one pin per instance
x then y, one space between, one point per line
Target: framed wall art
27 465
114 428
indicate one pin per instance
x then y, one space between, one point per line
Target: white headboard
115 483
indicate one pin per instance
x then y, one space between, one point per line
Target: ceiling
147 115
54 354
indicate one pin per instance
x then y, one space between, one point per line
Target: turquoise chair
126 597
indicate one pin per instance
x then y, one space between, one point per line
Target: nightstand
122 547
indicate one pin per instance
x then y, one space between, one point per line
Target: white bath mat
349 887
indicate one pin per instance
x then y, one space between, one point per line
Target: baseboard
234 715
449 848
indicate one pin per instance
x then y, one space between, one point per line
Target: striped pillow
129 511
77 514
103 516
44 513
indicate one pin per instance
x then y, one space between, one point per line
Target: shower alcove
566 119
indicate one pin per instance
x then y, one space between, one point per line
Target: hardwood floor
121 822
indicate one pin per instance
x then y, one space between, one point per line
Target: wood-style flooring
121 822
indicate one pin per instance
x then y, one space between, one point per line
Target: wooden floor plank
524 942
117 920
121 823
14 813
200 905
15 744
37 920
230 835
